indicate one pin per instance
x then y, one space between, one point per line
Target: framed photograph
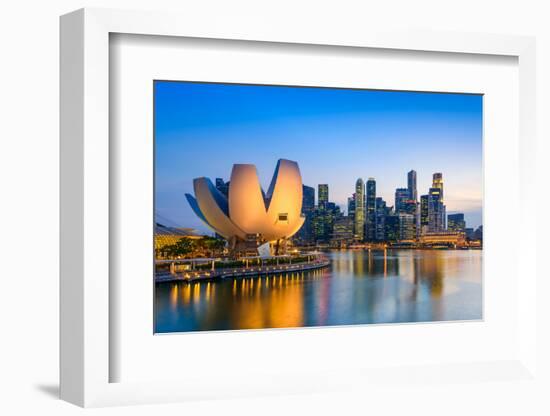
252 252
245 213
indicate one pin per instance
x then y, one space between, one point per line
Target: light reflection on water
359 287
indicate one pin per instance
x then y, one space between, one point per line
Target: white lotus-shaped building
248 210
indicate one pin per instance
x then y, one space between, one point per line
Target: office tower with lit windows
411 185
410 207
391 227
436 211
401 196
381 212
359 210
351 207
370 228
318 224
333 209
343 230
424 214
478 233
456 223
407 230
437 183
306 234
333 214
322 195
321 224
308 199
324 216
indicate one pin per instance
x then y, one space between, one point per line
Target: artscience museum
247 212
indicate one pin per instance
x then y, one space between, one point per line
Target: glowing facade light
248 210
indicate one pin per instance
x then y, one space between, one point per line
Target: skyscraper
411 185
407 230
319 225
401 196
478 233
371 210
391 227
324 216
308 199
424 214
438 183
306 234
436 211
351 207
381 211
343 230
455 222
332 214
332 207
323 195
359 210
410 207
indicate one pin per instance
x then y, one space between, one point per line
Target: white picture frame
85 200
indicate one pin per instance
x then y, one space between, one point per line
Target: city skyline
325 131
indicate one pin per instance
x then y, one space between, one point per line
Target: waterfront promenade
192 274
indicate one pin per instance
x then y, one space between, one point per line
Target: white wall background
29 201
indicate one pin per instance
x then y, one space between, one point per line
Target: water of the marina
358 288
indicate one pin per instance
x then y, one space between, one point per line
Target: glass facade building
455 222
436 211
478 233
324 216
407 229
343 230
370 228
391 227
359 229
381 212
411 185
437 182
424 214
306 234
308 199
351 207
323 195
401 196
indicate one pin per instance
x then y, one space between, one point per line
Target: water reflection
360 287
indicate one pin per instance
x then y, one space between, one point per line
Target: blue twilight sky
335 135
